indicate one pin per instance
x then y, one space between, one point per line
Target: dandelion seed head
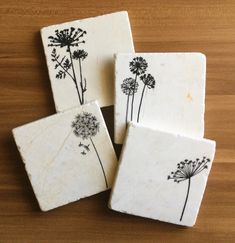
148 80
138 65
79 54
85 125
189 168
129 86
66 37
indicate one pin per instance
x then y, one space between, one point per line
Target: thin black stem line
100 162
127 108
133 97
75 80
199 171
80 67
186 199
141 100
199 167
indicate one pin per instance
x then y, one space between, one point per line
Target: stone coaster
162 175
67 156
80 59
162 90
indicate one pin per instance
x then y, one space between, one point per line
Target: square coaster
67 156
162 175
80 61
162 90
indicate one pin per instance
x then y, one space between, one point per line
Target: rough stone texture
144 185
63 166
89 65
173 97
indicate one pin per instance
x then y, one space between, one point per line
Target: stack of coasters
70 155
165 161
67 156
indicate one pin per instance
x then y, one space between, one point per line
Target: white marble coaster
162 175
162 90
67 156
80 60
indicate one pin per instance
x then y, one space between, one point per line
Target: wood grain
25 95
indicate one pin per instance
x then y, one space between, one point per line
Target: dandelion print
149 82
137 66
185 171
69 38
129 87
86 126
80 55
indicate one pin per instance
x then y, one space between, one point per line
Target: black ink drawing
69 38
83 152
185 171
138 66
149 82
86 147
87 126
129 87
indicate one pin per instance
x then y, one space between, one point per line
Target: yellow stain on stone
189 97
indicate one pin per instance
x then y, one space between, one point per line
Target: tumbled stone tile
80 59
162 175
162 90
67 156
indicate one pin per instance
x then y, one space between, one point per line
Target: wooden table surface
25 95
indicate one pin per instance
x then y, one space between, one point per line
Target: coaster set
159 103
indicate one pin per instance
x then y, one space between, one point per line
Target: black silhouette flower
185 171
138 65
188 168
79 54
85 125
129 86
67 37
148 80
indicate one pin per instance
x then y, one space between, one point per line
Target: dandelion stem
186 199
127 107
74 79
100 162
82 89
141 100
133 97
